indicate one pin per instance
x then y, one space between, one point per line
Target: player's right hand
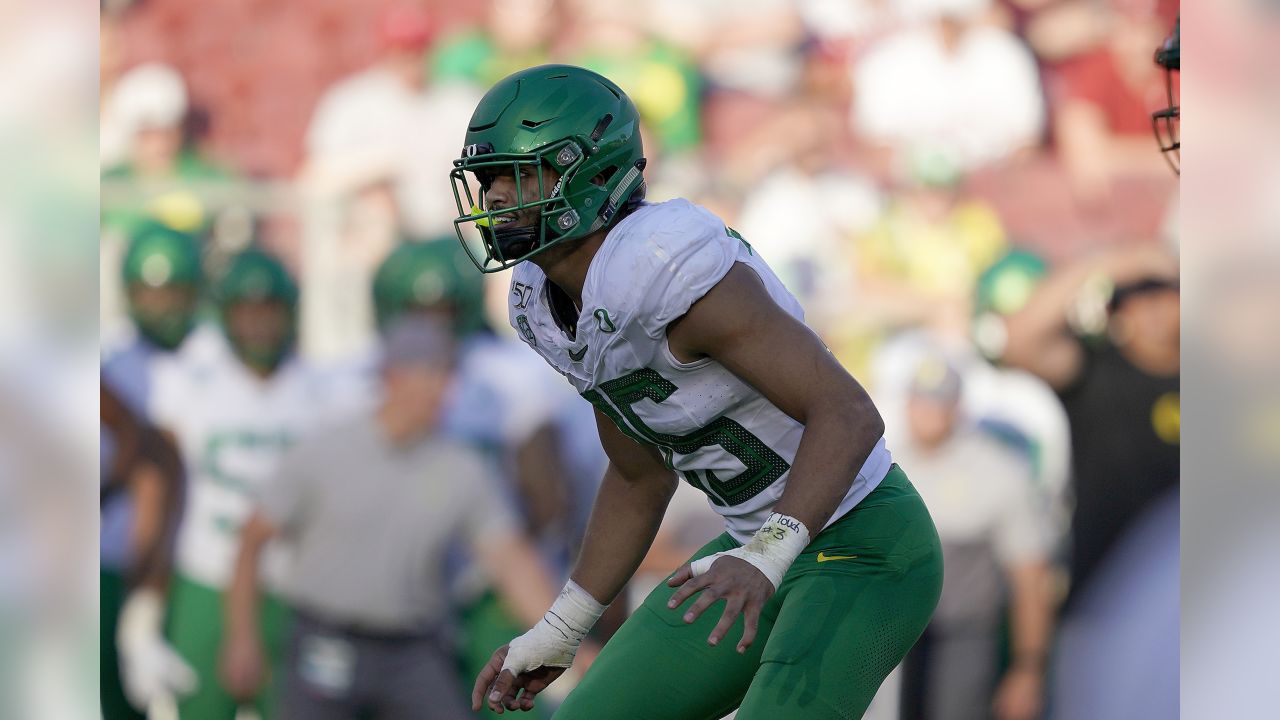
150 668
504 685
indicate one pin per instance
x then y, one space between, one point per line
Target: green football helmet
1002 290
569 119
254 276
427 275
160 258
1166 122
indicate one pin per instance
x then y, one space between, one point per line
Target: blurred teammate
233 410
142 475
370 608
699 367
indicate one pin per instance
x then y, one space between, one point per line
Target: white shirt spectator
372 127
975 104
809 250
149 95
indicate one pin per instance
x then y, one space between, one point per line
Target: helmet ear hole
601 179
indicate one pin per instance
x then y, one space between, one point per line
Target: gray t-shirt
982 499
369 524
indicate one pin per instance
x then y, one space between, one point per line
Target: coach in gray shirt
368 510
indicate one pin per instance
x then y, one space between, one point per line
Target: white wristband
771 550
555 639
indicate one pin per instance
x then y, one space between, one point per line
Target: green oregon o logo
602 319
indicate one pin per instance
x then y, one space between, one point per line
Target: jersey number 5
763 465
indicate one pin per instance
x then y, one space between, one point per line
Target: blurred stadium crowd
964 194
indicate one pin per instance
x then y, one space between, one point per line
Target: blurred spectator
742 46
850 24
1104 99
1121 390
378 150
920 261
157 172
1118 652
1060 29
995 542
662 78
514 35
233 408
113 136
1011 406
380 137
371 608
953 88
811 251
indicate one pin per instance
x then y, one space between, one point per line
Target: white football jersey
715 431
232 428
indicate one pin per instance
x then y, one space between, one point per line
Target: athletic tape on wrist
574 612
554 641
771 550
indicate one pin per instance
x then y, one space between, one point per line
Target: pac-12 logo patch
522 323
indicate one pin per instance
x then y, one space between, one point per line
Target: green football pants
195 630
848 610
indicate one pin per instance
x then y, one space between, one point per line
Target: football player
233 409
700 368
142 475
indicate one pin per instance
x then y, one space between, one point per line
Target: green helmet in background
428 275
162 278
569 119
1002 290
254 276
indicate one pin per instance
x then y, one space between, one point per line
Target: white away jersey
232 428
716 431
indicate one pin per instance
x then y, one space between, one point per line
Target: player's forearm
1046 313
241 605
1032 616
148 537
624 521
839 435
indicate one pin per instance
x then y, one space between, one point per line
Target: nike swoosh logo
577 357
823 557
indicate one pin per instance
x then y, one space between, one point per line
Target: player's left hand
740 584
504 688
1020 695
